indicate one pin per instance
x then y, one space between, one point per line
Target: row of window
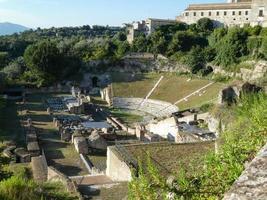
218 13
225 13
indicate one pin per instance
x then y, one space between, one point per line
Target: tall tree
44 62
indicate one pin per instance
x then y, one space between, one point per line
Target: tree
122 49
231 47
158 43
12 71
264 46
140 44
181 41
216 36
195 59
205 25
3 59
44 61
120 36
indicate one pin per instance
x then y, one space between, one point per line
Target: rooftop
219 6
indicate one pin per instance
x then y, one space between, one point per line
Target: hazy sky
48 13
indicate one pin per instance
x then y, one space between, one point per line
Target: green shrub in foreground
239 144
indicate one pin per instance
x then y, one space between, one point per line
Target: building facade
231 13
146 26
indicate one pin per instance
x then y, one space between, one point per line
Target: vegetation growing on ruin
239 143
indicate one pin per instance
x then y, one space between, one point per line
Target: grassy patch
126 116
171 89
10 123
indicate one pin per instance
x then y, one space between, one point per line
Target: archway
95 81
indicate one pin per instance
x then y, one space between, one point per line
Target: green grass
118 191
10 124
181 155
126 116
171 89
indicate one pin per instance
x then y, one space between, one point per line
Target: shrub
18 188
221 78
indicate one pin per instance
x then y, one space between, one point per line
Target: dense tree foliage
44 61
58 53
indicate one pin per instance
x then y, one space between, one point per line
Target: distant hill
7 28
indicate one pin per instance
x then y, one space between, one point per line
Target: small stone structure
231 94
65 135
96 141
32 141
167 128
23 155
117 168
107 95
39 168
80 145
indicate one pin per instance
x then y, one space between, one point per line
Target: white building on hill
231 13
147 27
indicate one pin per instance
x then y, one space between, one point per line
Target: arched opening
95 81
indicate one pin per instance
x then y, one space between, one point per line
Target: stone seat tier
153 107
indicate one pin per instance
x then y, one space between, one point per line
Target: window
246 12
209 13
195 14
218 13
260 13
202 13
240 12
187 14
233 12
225 13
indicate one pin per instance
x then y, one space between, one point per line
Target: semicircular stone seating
153 107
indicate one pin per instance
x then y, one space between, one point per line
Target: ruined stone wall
117 169
166 128
252 184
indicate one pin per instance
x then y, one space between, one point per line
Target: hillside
7 28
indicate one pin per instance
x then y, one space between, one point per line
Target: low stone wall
117 169
54 89
194 117
118 124
252 184
55 175
254 74
39 168
88 164
140 56
90 167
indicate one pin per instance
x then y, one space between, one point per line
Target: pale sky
58 13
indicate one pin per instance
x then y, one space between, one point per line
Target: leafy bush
18 188
221 78
206 107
